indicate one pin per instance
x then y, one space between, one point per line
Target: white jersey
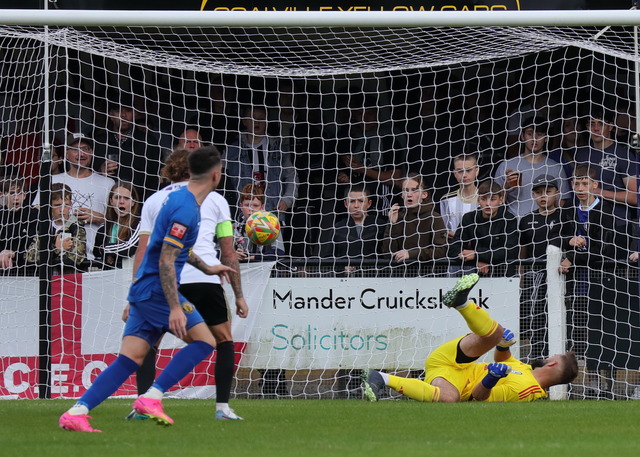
152 206
91 192
214 211
453 207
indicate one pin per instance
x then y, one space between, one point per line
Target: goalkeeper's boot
152 408
459 295
228 415
134 416
372 384
76 423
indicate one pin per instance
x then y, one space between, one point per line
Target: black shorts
210 301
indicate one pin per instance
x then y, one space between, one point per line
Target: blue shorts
149 319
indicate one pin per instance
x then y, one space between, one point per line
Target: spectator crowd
444 195
375 189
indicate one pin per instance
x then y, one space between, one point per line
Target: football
262 228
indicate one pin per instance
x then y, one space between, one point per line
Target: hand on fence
564 266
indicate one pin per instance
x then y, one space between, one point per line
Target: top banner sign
327 5
390 5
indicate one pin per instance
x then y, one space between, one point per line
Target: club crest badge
187 307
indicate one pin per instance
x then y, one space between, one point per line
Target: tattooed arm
195 261
229 258
169 282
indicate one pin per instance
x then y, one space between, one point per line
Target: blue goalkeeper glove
508 340
496 371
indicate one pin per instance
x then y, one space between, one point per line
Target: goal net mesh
342 106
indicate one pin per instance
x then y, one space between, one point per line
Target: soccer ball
262 228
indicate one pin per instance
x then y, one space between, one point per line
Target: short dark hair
569 368
538 123
203 160
12 182
585 170
359 188
602 113
117 100
490 187
248 109
465 156
60 191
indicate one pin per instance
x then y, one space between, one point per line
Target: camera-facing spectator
516 175
67 237
358 235
616 167
127 151
252 200
593 239
415 230
18 225
456 204
487 237
90 189
538 230
257 158
190 139
375 154
118 238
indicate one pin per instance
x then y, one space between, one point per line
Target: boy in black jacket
593 246
18 224
539 229
592 238
488 237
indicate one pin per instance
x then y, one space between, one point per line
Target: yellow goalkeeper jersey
514 387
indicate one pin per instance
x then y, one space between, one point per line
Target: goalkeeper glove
508 340
496 371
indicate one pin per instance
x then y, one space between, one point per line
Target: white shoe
228 415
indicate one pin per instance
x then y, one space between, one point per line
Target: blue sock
182 363
108 381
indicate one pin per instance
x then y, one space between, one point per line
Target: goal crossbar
90 18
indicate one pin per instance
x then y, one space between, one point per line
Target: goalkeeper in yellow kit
452 373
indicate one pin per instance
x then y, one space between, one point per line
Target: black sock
146 374
224 371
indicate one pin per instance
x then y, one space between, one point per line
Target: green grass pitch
308 428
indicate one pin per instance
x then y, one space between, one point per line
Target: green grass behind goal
330 427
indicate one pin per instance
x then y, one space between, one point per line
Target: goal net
330 109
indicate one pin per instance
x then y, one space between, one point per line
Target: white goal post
440 84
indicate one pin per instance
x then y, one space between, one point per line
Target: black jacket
604 243
345 240
494 240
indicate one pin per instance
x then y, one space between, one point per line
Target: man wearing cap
90 189
128 151
516 175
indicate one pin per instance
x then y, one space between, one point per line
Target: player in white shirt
208 296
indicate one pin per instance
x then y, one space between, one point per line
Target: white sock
385 377
153 393
78 409
224 407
